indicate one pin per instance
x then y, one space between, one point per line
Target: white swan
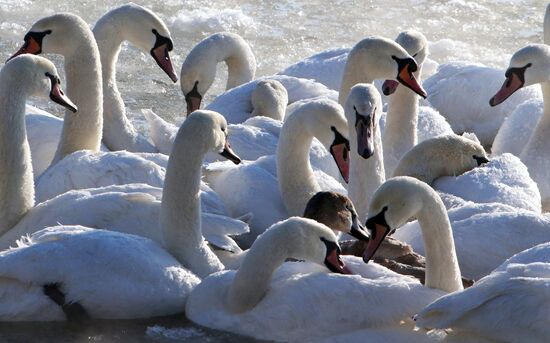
273 187
73 272
405 123
295 302
84 86
147 31
517 292
199 68
529 66
20 78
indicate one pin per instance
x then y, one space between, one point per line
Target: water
280 34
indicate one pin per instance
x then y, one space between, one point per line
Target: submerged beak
379 230
332 259
31 46
228 153
358 231
515 78
389 87
162 57
339 150
364 127
57 95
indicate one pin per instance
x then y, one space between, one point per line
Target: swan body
95 268
517 292
199 68
273 187
147 31
467 110
299 297
505 179
476 228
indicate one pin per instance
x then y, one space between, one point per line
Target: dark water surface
160 329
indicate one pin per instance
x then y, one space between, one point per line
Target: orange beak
31 46
407 78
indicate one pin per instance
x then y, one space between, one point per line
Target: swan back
448 155
269 99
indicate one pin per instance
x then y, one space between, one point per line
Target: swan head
306 239
212 128
385 59
56 34
393 203
528 66
325 120
363 109
39 76
147 31
269 99
416 44
336 211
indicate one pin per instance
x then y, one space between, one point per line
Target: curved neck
297 182
118 131
401 122
82 130
366 175
16 176
180 216
356 71
442 270
240 62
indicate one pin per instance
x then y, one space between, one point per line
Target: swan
274 187
528 66
147 31
73 272
441 156
295 301
84 86
20 78
305 295
199 68
517 292
405 123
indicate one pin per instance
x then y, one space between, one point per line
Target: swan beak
31 46
358 231
378 231
340 153
406 77
364 127
389 87
193 99
162 57
481 160
57 95
228 153
332 259
514 81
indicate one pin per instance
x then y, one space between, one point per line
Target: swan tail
161 132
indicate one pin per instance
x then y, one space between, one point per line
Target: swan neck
241 64
16 180
400 133
366 175
538 141
83 130
442 270
297 182
356 71
181 208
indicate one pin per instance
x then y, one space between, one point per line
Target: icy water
280 33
